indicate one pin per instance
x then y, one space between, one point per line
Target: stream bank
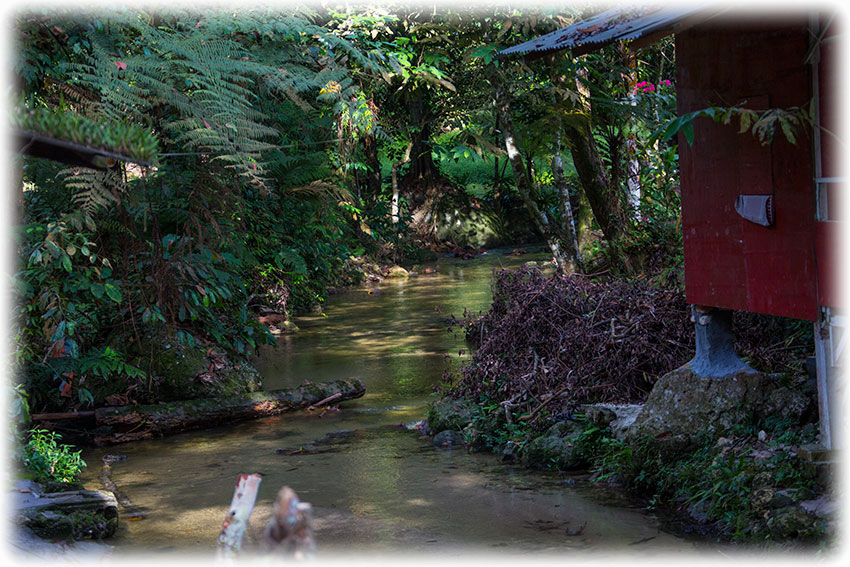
377 486
597 379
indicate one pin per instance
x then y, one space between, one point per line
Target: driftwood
236 521
132 423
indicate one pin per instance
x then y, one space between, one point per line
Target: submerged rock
449 438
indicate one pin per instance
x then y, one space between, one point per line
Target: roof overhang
639 24
35 144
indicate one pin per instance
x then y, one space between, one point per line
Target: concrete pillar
715 344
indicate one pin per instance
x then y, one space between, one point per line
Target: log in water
133 423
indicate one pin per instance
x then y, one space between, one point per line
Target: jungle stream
375 484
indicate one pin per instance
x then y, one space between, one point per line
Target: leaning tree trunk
521 175
604 202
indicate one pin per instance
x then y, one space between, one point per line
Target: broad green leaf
59 333
687 131
113 292
97 290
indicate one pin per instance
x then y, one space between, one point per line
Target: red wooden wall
832 164
731 262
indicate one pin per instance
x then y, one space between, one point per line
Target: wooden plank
829 288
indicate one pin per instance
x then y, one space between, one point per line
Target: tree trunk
521 175
604 202
131 423
568 227
396 192
369 182
422 174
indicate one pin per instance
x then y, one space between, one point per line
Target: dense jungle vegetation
267 149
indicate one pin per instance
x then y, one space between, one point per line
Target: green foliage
792 122
717 478
19 418
51 461
243 110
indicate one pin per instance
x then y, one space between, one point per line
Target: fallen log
133 423
62 415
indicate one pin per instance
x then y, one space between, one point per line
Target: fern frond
92 189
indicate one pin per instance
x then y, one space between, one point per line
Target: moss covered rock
557 448
449 413
683 403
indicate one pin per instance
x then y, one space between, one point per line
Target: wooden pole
236 521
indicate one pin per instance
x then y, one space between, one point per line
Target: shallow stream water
375 486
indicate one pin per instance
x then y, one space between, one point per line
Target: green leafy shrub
51 461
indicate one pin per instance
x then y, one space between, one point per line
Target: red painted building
732 262
780 254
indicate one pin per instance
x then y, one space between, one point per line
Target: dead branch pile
552 343
581 340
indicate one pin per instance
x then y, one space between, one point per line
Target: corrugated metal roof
623 23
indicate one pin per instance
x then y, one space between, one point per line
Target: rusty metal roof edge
655 18
527 46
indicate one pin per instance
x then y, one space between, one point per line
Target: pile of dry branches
555 342
577 339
